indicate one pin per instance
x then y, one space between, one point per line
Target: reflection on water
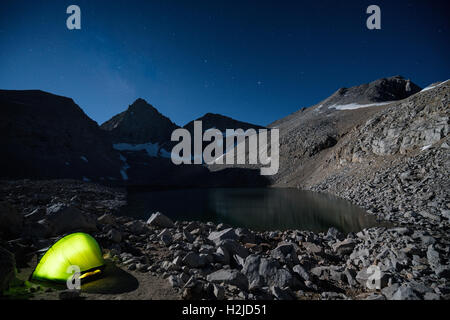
253 208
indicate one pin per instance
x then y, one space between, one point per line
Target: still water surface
254 208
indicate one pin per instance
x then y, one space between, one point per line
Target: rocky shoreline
208 261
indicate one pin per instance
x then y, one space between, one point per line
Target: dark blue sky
253 60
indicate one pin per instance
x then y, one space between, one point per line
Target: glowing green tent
76 249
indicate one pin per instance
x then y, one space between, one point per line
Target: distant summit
220 122
379 91
140 123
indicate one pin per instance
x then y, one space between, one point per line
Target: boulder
251 267
233 247
245 235
232 277
344 247
298 269
63 219
11 221
219 292
218 236
193 260
136 227
36 215
7 269
114 235
334 233
282 293
107 219
160 220
286 253
405 293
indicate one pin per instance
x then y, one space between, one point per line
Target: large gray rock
251 267
136 226
62 219
245 235
7 269
433 257
344 247
267 272
435 263
160 220
233 247
282 293
298 269
286 253
11 221
218 236
222 255
405 293
107 219
232 277
193 260
283 278
114 235
268 269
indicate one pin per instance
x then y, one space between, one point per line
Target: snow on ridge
152 149
354 106
435 86
125 167
318 109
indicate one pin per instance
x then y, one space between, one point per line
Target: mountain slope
220 122
48 136
309 133
140 123
396 162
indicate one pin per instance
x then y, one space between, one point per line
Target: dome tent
78 249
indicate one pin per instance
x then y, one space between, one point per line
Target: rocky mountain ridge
140 123
49 136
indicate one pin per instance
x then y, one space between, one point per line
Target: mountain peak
221 122
381 90
140 123
141 105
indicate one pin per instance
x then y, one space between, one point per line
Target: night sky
253 60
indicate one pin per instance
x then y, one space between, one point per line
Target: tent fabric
79 249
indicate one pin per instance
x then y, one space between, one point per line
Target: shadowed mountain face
140 123
145 146
49 136
220 122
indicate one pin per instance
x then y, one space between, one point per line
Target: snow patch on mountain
354 106
125 167
435 86
152 149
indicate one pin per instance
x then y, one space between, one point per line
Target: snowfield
353 106
152 149
432 87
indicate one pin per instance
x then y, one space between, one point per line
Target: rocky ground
194 260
